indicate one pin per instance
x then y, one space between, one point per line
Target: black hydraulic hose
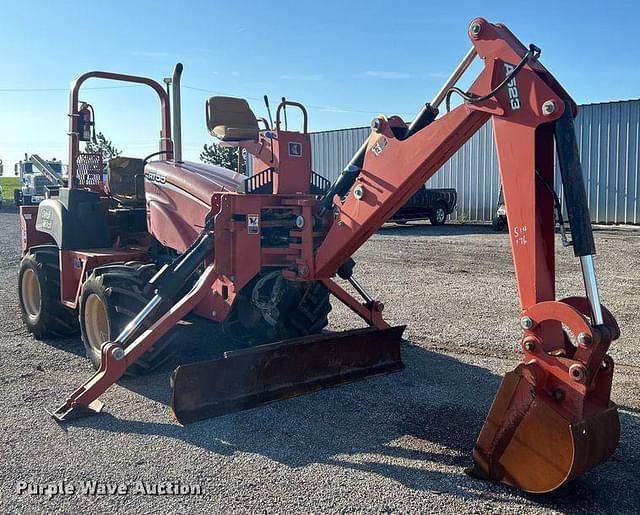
558 209
350 173
346 179
533 53
160 152
424 118
575 194
173 278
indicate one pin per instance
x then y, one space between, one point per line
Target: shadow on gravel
417 427
9 208
456 229
73 345
426 229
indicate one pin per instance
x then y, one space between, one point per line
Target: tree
102 146
218 155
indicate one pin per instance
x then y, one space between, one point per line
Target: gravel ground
397 443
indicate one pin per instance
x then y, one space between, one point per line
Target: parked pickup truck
432 204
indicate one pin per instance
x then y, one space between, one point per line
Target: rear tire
439 215
302 310
39 293
111 297
499 224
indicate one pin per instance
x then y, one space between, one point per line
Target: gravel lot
396 443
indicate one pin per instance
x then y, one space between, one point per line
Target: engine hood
199 179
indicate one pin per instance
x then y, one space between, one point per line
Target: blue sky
346 60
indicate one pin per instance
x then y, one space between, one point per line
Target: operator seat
126 180
231 119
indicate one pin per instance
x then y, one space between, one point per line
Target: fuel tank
179 198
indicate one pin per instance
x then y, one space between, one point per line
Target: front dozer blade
250 377
527 443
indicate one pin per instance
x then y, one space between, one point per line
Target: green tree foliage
102 146
218 155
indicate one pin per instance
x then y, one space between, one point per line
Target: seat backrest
126 180
231 119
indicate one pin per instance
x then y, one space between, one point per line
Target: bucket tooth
529 444
250 377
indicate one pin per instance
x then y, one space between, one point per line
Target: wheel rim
96 321
31 294
440 215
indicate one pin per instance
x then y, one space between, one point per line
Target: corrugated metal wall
608 139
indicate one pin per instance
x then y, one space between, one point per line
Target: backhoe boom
552 418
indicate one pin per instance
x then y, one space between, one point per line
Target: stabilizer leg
129 346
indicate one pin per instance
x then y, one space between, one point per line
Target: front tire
111 297
39 293
439 215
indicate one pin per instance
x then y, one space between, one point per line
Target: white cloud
154 55
387 75
302 77
331 109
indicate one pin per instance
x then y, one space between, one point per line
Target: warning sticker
295 149
253 224
379 146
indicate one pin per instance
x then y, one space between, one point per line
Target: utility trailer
427 204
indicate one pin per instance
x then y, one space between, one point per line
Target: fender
82 227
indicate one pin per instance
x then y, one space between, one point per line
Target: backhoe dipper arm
552 418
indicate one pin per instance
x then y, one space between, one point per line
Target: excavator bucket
250 377
527 443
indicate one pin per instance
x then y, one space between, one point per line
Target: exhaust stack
177 115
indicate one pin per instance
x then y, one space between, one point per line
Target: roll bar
293 104
166 144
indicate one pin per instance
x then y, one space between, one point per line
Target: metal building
608 139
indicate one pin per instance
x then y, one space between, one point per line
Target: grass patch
8 185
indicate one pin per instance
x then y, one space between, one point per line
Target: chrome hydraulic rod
138 319
453 79
430 110
358 287
168 283
591 287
